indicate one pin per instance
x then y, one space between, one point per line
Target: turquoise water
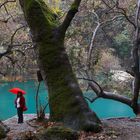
104 108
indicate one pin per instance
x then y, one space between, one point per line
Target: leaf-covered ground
113 129
117 129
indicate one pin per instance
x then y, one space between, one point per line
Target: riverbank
113 129
17 130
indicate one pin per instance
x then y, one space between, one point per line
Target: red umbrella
16 90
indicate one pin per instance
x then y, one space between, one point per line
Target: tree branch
5 20
110 8
125 14
12 37
99 24
130 72
70 15
5 2
107 95
91 100
5 53
137 20
24 43
112 96
11 43
98 90
121 11
12 60
91 43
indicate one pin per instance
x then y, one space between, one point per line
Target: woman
20 105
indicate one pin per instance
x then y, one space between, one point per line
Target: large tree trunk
135 69
136 58
65 97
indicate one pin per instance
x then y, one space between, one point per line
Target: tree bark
108 95
66 101
136 59
135 69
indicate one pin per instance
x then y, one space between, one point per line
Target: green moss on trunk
2 133
66 101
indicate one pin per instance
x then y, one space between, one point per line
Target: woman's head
19 94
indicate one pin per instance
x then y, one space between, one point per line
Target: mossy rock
57 133
2 132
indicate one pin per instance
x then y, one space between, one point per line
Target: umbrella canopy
16 90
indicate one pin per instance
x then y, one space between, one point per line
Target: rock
57 133
3 130
121 76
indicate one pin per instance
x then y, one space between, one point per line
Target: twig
5 20
101 90
91 100
125 14
12 37
5 2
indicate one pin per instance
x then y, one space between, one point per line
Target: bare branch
108 95
110 8
5 53
112 96
6 9
20 52
11 60
111 20
119 11
98 90
22 44
12 37
91 100
91 43
125 14
11 43
130 72
99 24
5 20
5 2
137 20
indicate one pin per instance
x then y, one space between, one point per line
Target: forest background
98 35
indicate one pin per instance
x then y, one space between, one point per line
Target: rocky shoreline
113 129
15 129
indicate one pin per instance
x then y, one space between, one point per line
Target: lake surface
105 108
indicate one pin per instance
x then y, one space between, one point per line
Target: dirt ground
113 129
117 129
